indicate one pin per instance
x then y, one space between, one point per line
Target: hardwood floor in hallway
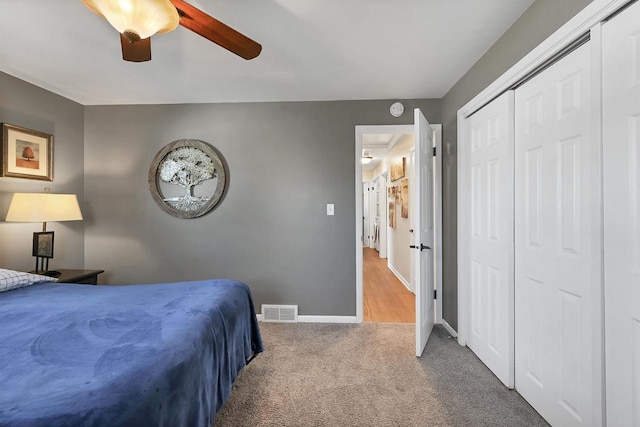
386 299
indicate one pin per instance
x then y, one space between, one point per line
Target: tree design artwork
187 167
27 153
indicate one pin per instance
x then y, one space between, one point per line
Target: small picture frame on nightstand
43 244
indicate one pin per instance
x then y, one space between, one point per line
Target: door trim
399 129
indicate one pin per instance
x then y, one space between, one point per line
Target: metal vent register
279 313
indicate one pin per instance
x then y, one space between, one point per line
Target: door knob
423 247
413 246
411 230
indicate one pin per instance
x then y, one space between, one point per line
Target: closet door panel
621 133
491 299
556 292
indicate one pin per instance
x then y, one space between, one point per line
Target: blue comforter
139 355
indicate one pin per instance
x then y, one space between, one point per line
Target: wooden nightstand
85 277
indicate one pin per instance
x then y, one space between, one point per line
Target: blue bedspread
139 355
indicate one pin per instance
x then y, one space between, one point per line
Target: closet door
558 260
621 132
491 298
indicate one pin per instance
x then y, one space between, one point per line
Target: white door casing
424 230
557 254
621 138
491 334
360 131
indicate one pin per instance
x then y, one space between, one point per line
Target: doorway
387 293
361 228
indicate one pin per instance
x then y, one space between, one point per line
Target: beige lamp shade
143 17
43 207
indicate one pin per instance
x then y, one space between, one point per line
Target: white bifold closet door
621 135
491 299
557 253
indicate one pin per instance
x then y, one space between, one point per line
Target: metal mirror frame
221 185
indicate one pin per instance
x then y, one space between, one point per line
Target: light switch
329 208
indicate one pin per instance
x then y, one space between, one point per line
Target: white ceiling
312 50
377 145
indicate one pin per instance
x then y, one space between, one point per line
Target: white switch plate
330 209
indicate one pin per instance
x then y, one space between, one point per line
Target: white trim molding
449 329
399 276
320 319
326 319
592 14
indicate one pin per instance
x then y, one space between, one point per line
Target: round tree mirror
187 178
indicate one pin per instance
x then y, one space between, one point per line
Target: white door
621 135
372 214
376 220
557 254
413 259
382 206
423 210
491 200
365 213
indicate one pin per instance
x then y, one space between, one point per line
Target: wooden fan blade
210 28
137 51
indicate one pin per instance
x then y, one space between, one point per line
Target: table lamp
43 207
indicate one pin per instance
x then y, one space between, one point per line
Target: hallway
386 299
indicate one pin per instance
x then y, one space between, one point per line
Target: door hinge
434 151
435 294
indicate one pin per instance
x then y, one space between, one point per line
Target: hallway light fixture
366 159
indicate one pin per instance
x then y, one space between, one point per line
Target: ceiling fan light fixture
143 18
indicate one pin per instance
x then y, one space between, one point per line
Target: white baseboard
327 319
400 277
449 329
320 319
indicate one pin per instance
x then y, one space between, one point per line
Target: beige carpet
367 375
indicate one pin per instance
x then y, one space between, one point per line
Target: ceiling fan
138 20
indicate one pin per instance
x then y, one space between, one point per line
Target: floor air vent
279 313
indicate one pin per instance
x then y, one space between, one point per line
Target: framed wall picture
398 169
404 191
392 215
26 153
43 244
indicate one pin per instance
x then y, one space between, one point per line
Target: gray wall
286 161
538 22
29 106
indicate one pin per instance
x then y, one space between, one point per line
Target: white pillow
10 279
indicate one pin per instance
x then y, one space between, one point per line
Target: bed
136 355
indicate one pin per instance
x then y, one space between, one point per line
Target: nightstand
84 277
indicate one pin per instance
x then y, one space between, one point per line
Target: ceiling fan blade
136 51
210 28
